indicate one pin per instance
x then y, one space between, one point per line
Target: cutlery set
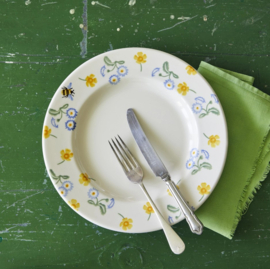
134 173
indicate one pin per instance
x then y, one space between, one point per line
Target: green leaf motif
65 177
108 61
120 62
64 106
174 75
172 208
54 112
214 111
52 173
91 202
202 115
102 208
194 171
166 67
206 165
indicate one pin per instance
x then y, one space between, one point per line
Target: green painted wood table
41 43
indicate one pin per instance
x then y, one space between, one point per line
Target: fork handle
176 244
193 222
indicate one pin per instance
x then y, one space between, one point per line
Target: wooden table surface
44 41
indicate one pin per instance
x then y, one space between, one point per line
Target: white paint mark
72 11
132 2
49 3
214 29
136 30
176 24
252 20
9 62
83 43
172 17
45 181
81 25
28 210
57 47
27 197
215 47
6 230
97 3
25 240
205 17
1 164
210 6
60 209
183 18
1 147
118 29
28 2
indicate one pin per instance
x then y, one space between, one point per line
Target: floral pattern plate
180 114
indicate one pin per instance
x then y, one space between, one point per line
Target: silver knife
160 170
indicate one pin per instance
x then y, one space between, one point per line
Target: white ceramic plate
181 116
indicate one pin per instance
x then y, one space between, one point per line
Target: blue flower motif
114 79
194 153
200 99
72 113
190 163
54 123
169 84
215 98
102 70
122 70
206 154
67 185
70 125
155 71
63 191
170 219
111 204
197 108
93 193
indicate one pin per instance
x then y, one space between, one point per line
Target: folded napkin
247 112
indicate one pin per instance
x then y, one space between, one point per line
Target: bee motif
68 92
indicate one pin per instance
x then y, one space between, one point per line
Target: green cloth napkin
247 112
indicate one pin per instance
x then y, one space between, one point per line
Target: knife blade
160 170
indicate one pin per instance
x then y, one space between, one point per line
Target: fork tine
125 155
123 166
128 152
121 157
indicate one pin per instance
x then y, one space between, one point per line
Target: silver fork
135 174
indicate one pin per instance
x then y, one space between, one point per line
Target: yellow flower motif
140 58
183 88
148 208
191 70
46 132
204 189
213 141
66 155
84 179
126 224
170 192
74 204
90 80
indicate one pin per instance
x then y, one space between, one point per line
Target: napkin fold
247 112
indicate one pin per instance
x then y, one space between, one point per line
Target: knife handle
193 222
